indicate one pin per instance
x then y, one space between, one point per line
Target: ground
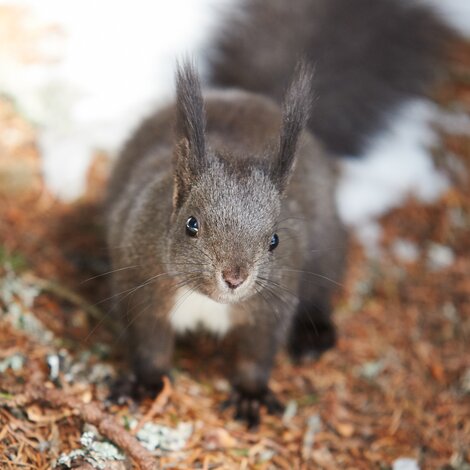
396 386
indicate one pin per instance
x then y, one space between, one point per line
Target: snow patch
440 256
404 463
405 250
108 64
396 164
454 12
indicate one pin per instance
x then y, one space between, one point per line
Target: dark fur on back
368 56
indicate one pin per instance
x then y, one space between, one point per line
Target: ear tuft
189 152
295 114
190 116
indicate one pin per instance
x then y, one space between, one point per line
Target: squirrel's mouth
229 298
228 289
224 294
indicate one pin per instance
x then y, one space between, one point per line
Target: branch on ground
91 413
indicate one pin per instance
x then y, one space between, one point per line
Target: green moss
307 400
14 260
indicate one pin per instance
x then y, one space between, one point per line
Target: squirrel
221 207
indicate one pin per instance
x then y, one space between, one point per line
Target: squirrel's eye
192 226
274 242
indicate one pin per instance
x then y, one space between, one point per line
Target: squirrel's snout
234 277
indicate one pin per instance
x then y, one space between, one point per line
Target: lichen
96 453
155 436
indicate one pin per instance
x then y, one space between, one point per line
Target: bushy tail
368 56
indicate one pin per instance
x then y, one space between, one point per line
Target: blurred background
75 78
84 74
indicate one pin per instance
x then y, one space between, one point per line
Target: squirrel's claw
126 388
248 405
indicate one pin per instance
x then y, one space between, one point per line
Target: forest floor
396 386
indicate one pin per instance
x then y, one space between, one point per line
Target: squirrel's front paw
309 340
128 387
248 405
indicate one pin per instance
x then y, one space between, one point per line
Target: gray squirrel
221 207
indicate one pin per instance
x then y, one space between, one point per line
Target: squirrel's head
225 211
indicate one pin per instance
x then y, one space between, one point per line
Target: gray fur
190 121
246 168
237 191
369 55
295 114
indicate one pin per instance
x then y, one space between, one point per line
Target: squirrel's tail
368 56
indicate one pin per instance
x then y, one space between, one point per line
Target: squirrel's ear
190 116
295 114
190 151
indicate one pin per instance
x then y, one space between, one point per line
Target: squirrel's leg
312 330
254 343
149 335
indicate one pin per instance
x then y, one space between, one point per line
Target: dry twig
158 404
91 413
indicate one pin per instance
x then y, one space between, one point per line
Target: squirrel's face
223 233
223 238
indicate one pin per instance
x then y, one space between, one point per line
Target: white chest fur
193 310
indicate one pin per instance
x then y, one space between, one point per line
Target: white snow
456 13
109 64
405 463
396 164
440 256
405 250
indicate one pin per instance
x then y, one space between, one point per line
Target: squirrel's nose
233 277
